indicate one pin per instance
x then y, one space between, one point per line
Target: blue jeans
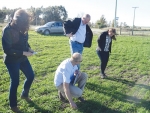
76 47
104 57
13 69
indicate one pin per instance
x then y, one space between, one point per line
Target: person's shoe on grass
15 109
26 98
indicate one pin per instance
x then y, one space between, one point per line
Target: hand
98 49
69 35
30 50
73 105
77 72
27 54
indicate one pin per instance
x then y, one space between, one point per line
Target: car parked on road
50 27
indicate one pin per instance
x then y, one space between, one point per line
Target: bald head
86 18
77 57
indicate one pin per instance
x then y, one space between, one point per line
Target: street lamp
115 15
133 18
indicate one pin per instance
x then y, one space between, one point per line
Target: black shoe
26 98
105 76
15 109
81 99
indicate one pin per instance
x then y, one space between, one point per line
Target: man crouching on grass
66 75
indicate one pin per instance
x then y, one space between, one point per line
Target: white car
50 27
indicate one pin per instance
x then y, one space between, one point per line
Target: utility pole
115 15
134 18
35 17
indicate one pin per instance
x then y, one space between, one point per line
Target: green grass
126 90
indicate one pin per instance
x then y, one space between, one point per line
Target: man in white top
66 75
77 40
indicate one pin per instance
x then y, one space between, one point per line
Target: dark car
50 27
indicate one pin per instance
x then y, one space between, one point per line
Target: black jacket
73 26
102 41
14 43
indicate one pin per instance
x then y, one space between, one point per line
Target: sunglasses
79 61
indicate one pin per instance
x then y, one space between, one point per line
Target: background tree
109 24
102 22
54 13
2 15
125 25
120 27
113 23
9 13
40 15
35 13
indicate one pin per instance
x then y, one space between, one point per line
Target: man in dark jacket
79 33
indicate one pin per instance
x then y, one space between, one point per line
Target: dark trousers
13 69
104 57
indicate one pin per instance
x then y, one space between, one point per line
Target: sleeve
28 43
66 73
99 40
7 44
66 76
75 25
71 26
67 26
89 37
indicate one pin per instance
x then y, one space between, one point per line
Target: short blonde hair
76 56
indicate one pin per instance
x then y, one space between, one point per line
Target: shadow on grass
143 86
91 106
145 104
138 101
38 108
112 92
129 83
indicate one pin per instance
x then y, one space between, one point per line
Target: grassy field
126 90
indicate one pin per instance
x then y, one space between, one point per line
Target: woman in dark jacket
16 50
104 48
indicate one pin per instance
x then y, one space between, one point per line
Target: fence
140 32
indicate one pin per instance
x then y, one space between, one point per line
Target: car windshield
49 24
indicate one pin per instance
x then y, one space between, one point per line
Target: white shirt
108 40
79 36
64 72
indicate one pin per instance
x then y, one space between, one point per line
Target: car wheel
46 32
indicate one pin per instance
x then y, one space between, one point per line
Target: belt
78 42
